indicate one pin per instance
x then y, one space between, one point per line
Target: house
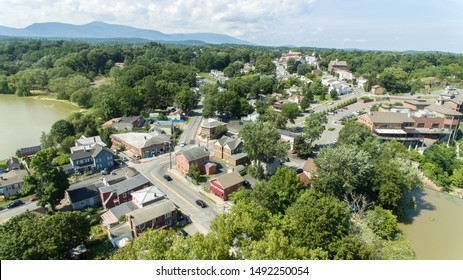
154 216
225 185
125 123
211 168
87 143
13 164
88 160
119 175
344 75
11 182
361 82
377 89
119 235
296 99
293 90
335 65
229 149
176 115
162 127
29 151
142 144
304 178
140 199
119 193
309 167
83 196
208 127
189 156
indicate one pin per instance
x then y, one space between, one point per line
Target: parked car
201 203
299 171
182 144
240 123
14 204
167 177
32 198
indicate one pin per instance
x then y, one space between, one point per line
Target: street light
170 153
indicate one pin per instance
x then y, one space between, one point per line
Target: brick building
225 185
192 155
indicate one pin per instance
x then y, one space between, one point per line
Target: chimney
94 139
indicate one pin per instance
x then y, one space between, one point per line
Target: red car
32 198
292 152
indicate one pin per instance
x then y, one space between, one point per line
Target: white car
182 144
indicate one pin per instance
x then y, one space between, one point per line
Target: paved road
8 213
182 192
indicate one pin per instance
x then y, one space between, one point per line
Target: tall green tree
354 133
61 129
290 111
262 142
32 237
314 127
47 181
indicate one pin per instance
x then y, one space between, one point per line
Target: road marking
181 197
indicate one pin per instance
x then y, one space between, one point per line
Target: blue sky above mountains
364 24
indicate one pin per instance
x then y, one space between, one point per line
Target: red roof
304 178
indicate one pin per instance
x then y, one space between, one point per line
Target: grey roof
98 149
121 174
12 177
126 185
82 193
210 164
81 154
443 110
141 140
83 141
129 119
338 63
418 102
150 212
30 150
122 209
232 143
389 117
211 123
230 179
120 230
194 153
239 156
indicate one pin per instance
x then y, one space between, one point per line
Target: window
447 126
169 222
124 195
420 125
116 202
435 125
168 215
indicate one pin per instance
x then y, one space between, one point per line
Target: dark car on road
167 177
201 203
14 204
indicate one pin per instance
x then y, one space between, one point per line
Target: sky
364 24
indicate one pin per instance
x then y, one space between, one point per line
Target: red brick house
377 89
225 185
154 216
119 193
337 65
188 156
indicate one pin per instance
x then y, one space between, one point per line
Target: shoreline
47 97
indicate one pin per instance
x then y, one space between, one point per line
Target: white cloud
318 30
257 19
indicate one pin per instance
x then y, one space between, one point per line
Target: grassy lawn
207 77
3 163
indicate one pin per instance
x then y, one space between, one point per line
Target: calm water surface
22 121
435 229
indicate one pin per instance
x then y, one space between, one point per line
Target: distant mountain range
114 32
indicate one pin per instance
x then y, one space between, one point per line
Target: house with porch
89 160
11 182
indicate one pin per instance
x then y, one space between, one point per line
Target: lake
24 118
435 228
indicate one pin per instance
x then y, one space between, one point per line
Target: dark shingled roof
82 193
